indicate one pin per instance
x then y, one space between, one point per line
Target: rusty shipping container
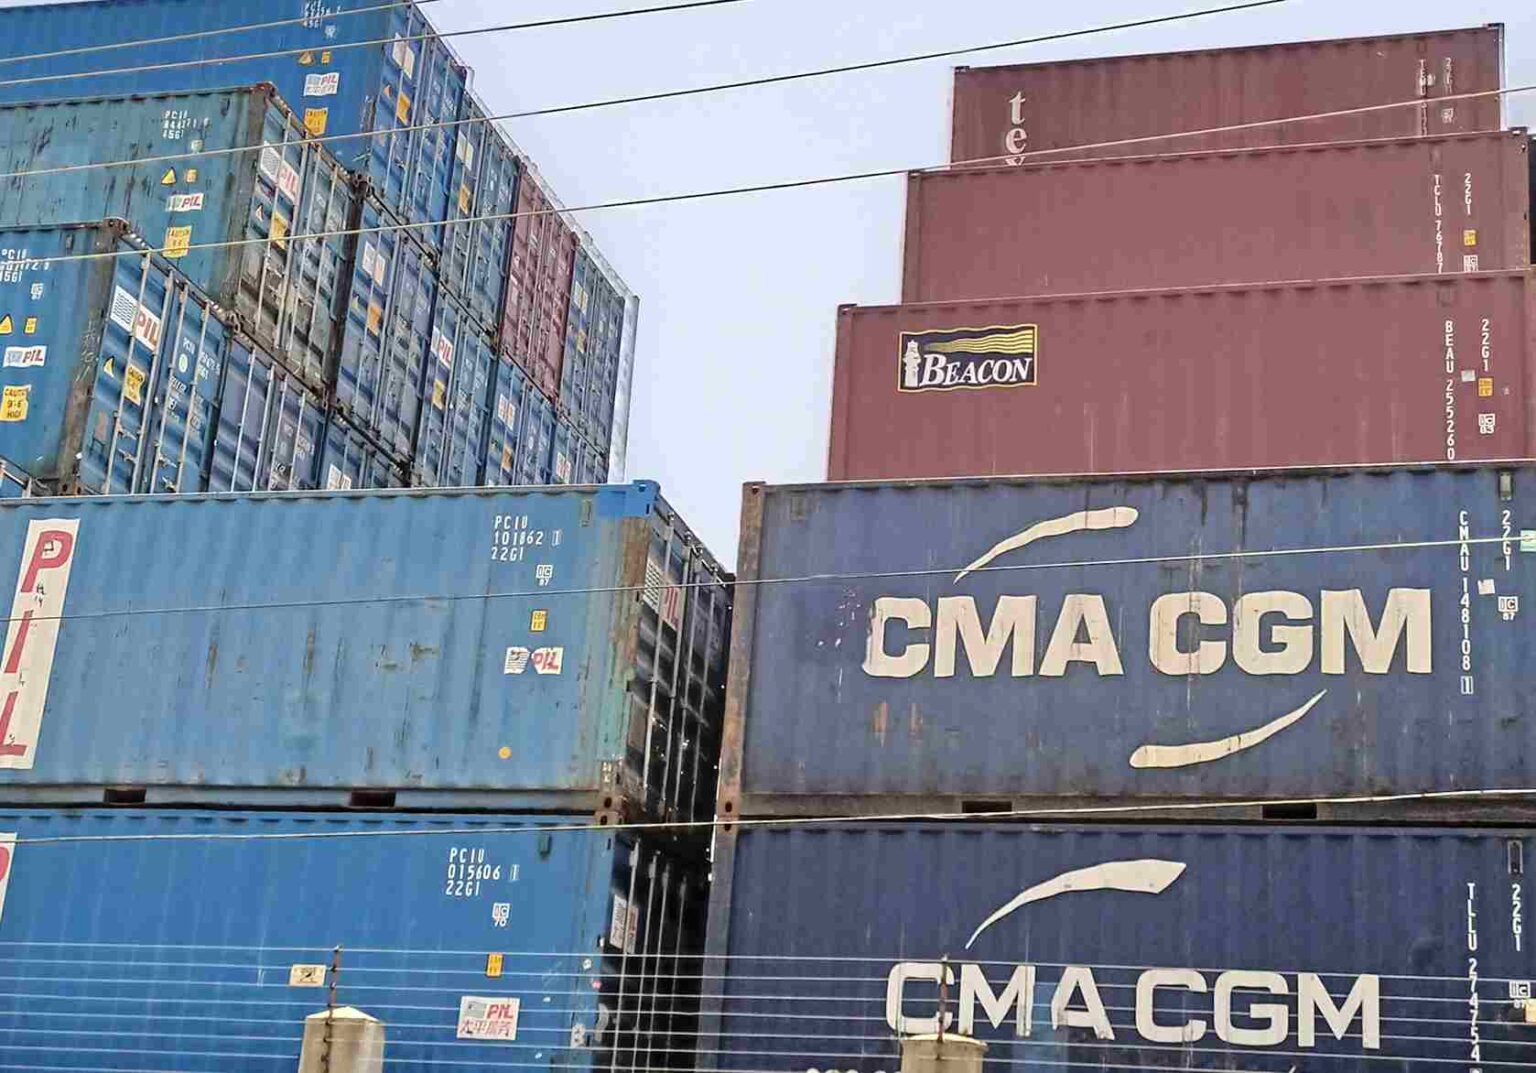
538 285
1376 208
1003 112
1403 369
1223 637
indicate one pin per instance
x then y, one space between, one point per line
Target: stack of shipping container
267 755
387 292
1252 701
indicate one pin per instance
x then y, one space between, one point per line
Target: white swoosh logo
1106 518
1204 752
1145 876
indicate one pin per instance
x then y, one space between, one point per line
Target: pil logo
955 358
32 633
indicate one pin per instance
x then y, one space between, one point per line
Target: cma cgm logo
1000 356
32 634
1242 1007
1275 632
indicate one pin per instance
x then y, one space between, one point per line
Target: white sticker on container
336 481
623 925
562 468
493 1018
548 660
506 410
7 858
666 600
516 661
1528 540
270 163
464 149
25 357
128 315
288 182
41 585
184 203
442 348
306 975
405 57
324 85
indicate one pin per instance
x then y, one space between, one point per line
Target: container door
186 396
243 412
504 427
450 443
484 187
295 427
351 462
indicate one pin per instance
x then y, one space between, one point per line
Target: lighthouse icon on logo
955 358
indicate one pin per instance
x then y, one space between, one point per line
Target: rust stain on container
1414 205
882 721
1005 112
1340 372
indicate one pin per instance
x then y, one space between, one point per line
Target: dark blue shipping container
268 425
450 443
566 453
286 291
112 362
539 649
536 432
168 941
504 430
384 343
349 460
1334 949
474 266
594 348
1269 634
591 465
349 67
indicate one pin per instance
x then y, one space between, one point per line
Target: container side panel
450 442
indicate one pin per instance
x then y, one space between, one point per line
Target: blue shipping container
450 443
474 265
16 483
268 425
112 362
286 291
544 648
504 431
1123 948
384 343
348 67
1263 635
350 460
167 941
594 348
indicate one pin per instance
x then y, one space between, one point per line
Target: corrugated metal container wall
1337 372
348 67
286 291
484 185
566 450
1202 644
504 431
228 912
262 407
450 444
537 449
594 331
309 690
1002 112
1452 204
591 466
349 460
1124 947
385 341
538 284
112 364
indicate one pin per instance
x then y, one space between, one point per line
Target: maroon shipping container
538 286
1002 112
1377 208
1337 372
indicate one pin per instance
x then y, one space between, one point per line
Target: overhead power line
694 91
214 61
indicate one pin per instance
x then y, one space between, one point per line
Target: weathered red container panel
538 285
1337 372
1004 112
1378 208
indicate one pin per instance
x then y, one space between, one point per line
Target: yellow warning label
1469 237
178 240
1485 387
13 403
190 175
7 325
403 107
108 370
375 317
506 456
169 178
306 59
493 965
133 385
538 622
439 394
316 120
464 200
29 326
279 233
325 57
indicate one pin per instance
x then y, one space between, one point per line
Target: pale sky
738 295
